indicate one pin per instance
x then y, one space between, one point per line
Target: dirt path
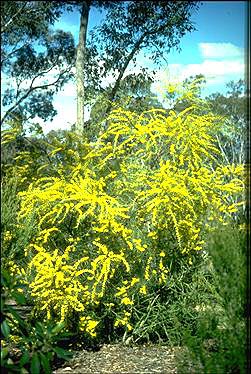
118 359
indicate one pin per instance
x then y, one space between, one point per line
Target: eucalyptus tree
35 61
31 51
130 27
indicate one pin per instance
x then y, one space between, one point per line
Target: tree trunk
80 66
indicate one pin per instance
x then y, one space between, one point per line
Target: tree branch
13 52
30 90
122 71
128 59
38 146
222 151
42 73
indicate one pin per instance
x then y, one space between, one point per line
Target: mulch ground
119 359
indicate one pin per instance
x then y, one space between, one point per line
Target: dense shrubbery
219 345
115 231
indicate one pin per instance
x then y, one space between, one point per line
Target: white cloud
218 71
210 68
220 50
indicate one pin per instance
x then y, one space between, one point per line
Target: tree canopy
36 61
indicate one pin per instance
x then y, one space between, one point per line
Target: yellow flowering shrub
57 285
112 224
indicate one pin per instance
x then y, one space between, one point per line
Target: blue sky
216 50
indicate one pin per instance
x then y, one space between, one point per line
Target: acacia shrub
135 208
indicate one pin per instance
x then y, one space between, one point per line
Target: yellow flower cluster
89 325
57 285
7 237
124 321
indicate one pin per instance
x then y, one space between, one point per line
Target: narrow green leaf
5 329
39 329
35 364
5 278
45 363
62 336
58 328
11 368
16 315
4 353
24 371
62 353
24 359
19 297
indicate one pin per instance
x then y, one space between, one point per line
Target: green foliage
31 51
167 311
14 237
118 237
27 346
160 24
180 102
218 345
128 28
134 94
27 154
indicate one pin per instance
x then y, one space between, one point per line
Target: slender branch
38 146
128 59
8 55
18 82
122 71
222 151
241 153
38 75
42 73
155 46
30 90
